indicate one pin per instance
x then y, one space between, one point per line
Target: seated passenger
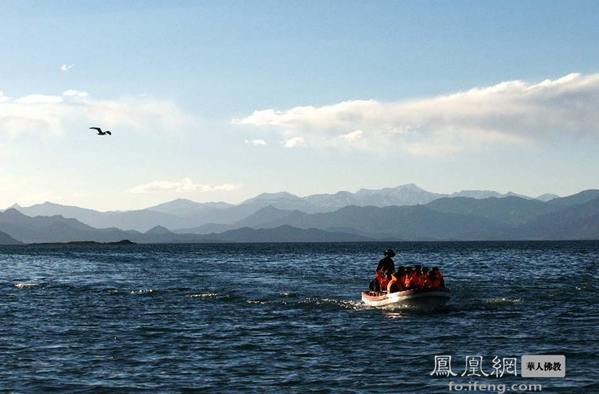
426 282
436 278
418 277
408 279
401 273
394 285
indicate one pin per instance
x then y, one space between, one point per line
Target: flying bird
100 132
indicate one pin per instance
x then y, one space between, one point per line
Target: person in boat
417 276
426 282
384 270
401 273
436 278
386 264
408 279
394 284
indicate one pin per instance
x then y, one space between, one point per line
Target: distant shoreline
127 242
78 243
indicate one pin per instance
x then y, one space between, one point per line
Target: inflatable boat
421 299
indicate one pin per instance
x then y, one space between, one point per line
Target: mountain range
275 218
51 229
183 215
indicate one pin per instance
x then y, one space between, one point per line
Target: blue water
286 317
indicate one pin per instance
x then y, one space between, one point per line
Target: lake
287 317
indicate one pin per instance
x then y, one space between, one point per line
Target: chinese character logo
506 365
474 366
443 366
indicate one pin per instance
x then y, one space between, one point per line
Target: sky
223 100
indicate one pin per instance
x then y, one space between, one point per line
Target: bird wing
96 128
108 132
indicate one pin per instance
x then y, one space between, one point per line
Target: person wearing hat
386 264
384 270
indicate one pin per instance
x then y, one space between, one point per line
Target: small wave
143 292
203 295
25 285
255 302
502 300
288 294
335 303
394 315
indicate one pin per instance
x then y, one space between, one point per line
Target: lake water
287 317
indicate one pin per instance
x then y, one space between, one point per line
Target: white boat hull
427 299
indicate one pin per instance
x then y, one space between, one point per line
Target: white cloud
352 136
513 112
184 185
256 142
75 109
294 142
38 99
75 93
66 67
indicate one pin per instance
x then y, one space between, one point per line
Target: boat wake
26 285
502 301
143 292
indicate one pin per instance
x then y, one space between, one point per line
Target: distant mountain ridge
443 219
6 239
53 229
457 218
183 214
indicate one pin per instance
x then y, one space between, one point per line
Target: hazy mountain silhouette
573 222
507 210
183 207
55 229
140 220
283 234
15 226
457 218
575 199
187 214
397 223
547 197
6 239
443 217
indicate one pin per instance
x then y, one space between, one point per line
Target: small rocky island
84 243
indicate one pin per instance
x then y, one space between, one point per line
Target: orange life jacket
418 280
404 281
382 279
408 281
426 283
436 281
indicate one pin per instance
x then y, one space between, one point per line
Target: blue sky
224 100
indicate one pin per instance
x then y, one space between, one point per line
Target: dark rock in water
122 242
85 243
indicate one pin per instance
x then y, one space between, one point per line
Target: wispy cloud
256 142
513 112
294 142
75 93
66 67
55 114
184 185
